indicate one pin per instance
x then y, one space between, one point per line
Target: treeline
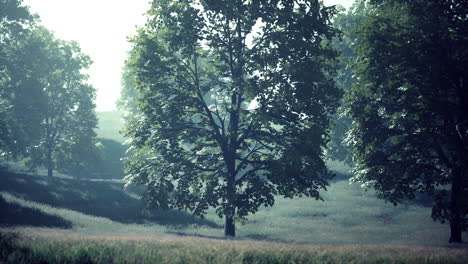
231 103
47 111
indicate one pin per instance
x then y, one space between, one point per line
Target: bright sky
101 27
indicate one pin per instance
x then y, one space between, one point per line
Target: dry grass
75 248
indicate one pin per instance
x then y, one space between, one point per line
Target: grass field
59 248
348 215
66 220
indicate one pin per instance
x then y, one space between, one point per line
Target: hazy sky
101 27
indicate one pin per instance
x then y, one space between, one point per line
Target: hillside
348 215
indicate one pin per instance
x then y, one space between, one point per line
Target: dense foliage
409 104
46 106
127 102
19 106
233 104
68 118
347 22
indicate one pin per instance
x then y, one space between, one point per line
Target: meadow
67 220
59 248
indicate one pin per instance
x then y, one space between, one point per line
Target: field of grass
66 220
59 248
347 216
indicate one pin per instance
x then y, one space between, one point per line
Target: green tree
233 104
79 152
69 119
410 102
127 102
20 100
347 22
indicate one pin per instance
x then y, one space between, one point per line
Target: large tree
68 119
233 104
410 104
20 101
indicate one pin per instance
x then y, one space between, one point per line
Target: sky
101 28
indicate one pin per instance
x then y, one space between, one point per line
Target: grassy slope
348 215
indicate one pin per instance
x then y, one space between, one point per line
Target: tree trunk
50 165
229 227
456 207
230 211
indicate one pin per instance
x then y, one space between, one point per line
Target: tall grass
81 249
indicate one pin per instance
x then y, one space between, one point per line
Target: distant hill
109 126
108 132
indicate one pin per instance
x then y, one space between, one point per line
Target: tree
409 104
79 152
128 94
67 127
20 101
233 104
347 22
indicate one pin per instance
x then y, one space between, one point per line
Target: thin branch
241 178
215 127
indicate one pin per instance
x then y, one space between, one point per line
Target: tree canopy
233 104
19 104
347 22
68 118
409 104
46 105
